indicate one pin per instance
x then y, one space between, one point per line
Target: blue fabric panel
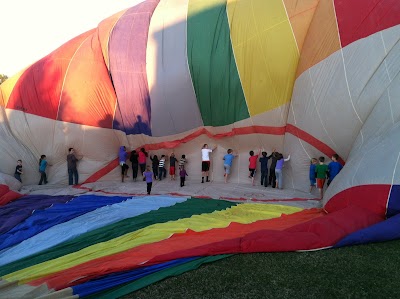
17 211
384 231
58 213
87 222
115 279
394 202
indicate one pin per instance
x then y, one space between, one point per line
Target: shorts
205 166
252 172
172 170
320 183
227 168
123 167
313 182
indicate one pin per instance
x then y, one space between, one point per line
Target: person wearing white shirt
205 161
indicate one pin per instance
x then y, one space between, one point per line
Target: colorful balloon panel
309 78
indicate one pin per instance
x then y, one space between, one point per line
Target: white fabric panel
174 107
296 171
378 164
334 104
366 73
85 223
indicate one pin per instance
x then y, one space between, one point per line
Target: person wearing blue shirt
42 169
228 159
334 168
312 177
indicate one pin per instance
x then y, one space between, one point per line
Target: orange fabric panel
322 37
88 96
104 30
300 15
38 89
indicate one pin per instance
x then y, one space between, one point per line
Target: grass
365 271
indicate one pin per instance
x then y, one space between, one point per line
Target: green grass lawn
366 271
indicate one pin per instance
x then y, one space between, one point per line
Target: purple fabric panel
17 211
127 51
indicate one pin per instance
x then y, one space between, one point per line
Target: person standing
18 171
142 160
172 161
123 156
182 175
154 163
135 164
161 168
334 168
278 170
205 161
148 175
272 177
42 169
72 167
264 169
321 172
228 159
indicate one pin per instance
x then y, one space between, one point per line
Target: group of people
320 172
270 175
72 160
157 171
275 177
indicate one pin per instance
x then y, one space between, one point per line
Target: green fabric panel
130 287
193 206
212 64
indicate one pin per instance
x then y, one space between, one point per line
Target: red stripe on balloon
322 147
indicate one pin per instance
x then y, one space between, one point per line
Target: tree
3 78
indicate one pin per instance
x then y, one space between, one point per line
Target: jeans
155 171
18 177
264 177
73 173
272 177
149 187
279 178
43 177
134 170
162 172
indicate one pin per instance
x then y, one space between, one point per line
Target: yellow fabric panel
322 37
300 15
265 51
243 213
7 87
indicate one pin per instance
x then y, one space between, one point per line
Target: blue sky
32 29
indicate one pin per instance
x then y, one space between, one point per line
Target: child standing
123 155
264 169
172 161
278 170
161 168
228 159
154 163
321 171
18 171
142 157
313 164
253 165
334 168
148 175
182 175
42 169
182 161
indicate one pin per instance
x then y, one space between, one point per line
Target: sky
31 29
